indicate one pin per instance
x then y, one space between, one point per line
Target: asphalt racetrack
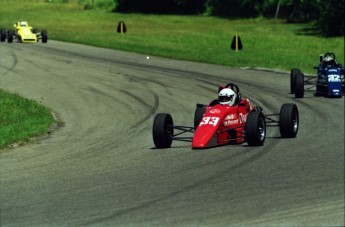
101 168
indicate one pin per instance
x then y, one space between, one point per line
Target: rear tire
293 74
162 130
10 36
35 31
256 129
288 120
199 113
299 85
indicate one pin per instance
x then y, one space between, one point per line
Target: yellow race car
23 33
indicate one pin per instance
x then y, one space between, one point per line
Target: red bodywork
222 124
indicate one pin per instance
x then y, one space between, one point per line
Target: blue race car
329 81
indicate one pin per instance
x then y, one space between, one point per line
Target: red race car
230 119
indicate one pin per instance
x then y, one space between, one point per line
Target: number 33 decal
209 120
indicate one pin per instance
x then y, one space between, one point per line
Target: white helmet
227 96
329 60
23 24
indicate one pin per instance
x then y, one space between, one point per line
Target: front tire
288 120
162 130
3 35
44 35
256 129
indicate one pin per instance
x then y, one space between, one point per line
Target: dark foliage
160 6
233 8
331 19
328 14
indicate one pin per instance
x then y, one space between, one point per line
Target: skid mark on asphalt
152 107
227 172
14 63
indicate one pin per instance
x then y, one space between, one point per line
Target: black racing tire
10 36
198 114
44 35
162 130
256 129
299 85
3 35
288 120
293 74
35 31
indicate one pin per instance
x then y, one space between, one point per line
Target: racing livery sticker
209 121
214 111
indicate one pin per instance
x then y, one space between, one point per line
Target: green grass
267 43
21 119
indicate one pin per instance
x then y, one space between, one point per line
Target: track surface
101 169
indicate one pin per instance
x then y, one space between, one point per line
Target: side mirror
321 57
316 67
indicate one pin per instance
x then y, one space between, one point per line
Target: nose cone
204 138
206 133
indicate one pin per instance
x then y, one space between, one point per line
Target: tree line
327 15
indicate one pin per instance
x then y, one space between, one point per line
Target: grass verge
21 119
266 43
